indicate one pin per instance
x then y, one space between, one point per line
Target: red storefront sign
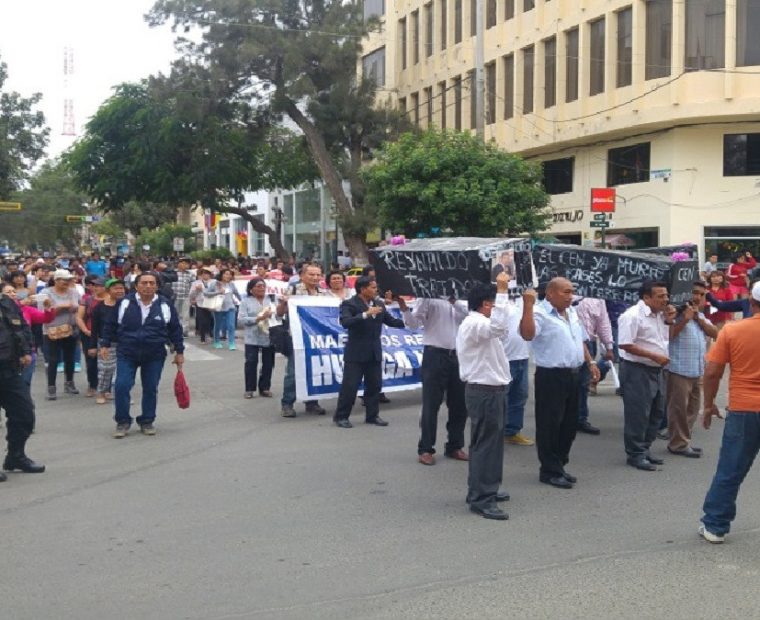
602 199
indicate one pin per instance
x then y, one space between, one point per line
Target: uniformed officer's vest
6 339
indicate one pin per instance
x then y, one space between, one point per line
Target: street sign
602 200
179 244
10 206
75 218
599 224
600 217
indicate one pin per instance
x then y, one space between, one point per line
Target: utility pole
480 80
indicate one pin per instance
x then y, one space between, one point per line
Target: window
490 93
373 8
414 103
402 41
571 62
429 105
490 13
558 175
509 9
458 21
624 47
442 92
705 35
528 57
402 105
457 83
528 4
415 37
473 17
473 99
659 24
509 86
429 29
596 61
628 164
741 154
550 72
444 17
373 66
747 27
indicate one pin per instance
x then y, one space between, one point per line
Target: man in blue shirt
687 348
559 349
95 266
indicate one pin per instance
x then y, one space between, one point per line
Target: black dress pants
353 372
68 346
264 381
16 399
556 396
440 375
204 322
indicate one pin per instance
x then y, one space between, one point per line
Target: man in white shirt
484 368
559 350
643 336
440 374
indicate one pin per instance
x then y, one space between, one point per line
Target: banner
275 288
319 340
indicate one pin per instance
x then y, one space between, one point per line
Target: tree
50 197
175 141
298 59
453 182
161 240
23 136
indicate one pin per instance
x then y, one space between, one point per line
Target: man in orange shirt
736 346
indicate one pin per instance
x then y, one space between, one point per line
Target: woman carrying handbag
255 311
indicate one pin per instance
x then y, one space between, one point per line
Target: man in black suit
363 316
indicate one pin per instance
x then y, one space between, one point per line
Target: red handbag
181 390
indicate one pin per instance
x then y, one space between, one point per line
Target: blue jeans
27 374
517 396
224 322
741 441
150 375
604 368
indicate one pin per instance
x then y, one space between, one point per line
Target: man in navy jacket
363 316
143 324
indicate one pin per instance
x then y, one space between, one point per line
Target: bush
161 240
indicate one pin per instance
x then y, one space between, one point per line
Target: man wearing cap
737 346
143 325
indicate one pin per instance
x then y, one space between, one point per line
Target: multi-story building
657 98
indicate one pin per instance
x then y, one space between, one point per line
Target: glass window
624 47
473 99
473 17
414 103
509 86
741 154
429 104
429 29
402 105
490 93
415 37
509 9
550 72
747 29
490 13
596 63
442 90
705 35
659 35
528 4
558 175
528 58
402 41
308 208
571 61
373 8
373 66
457 82
458 21
444 18
628 164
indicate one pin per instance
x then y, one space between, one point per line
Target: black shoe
586 427
655 460
23 463
689 452
490 512
502 496
378 421
3 477
343 424
383 399
316 409
642 463
569 477
556 481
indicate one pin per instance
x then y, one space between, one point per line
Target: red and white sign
602 199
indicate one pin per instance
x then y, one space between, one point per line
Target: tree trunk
355 241
260 227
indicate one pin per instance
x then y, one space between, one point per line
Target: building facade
657 98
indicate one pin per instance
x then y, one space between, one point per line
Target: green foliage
134 216
23 136
50 197
161 240
452 181
202 255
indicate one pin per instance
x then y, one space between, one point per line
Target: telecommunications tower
69 124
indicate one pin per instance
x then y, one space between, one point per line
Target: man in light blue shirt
559 350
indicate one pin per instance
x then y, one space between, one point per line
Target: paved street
234 512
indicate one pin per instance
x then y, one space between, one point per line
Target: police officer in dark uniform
15 397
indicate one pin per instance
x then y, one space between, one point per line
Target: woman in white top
336 285
224 319
255 311
204 318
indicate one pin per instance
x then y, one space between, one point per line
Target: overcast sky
112 43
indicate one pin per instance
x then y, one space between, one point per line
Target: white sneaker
715 539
